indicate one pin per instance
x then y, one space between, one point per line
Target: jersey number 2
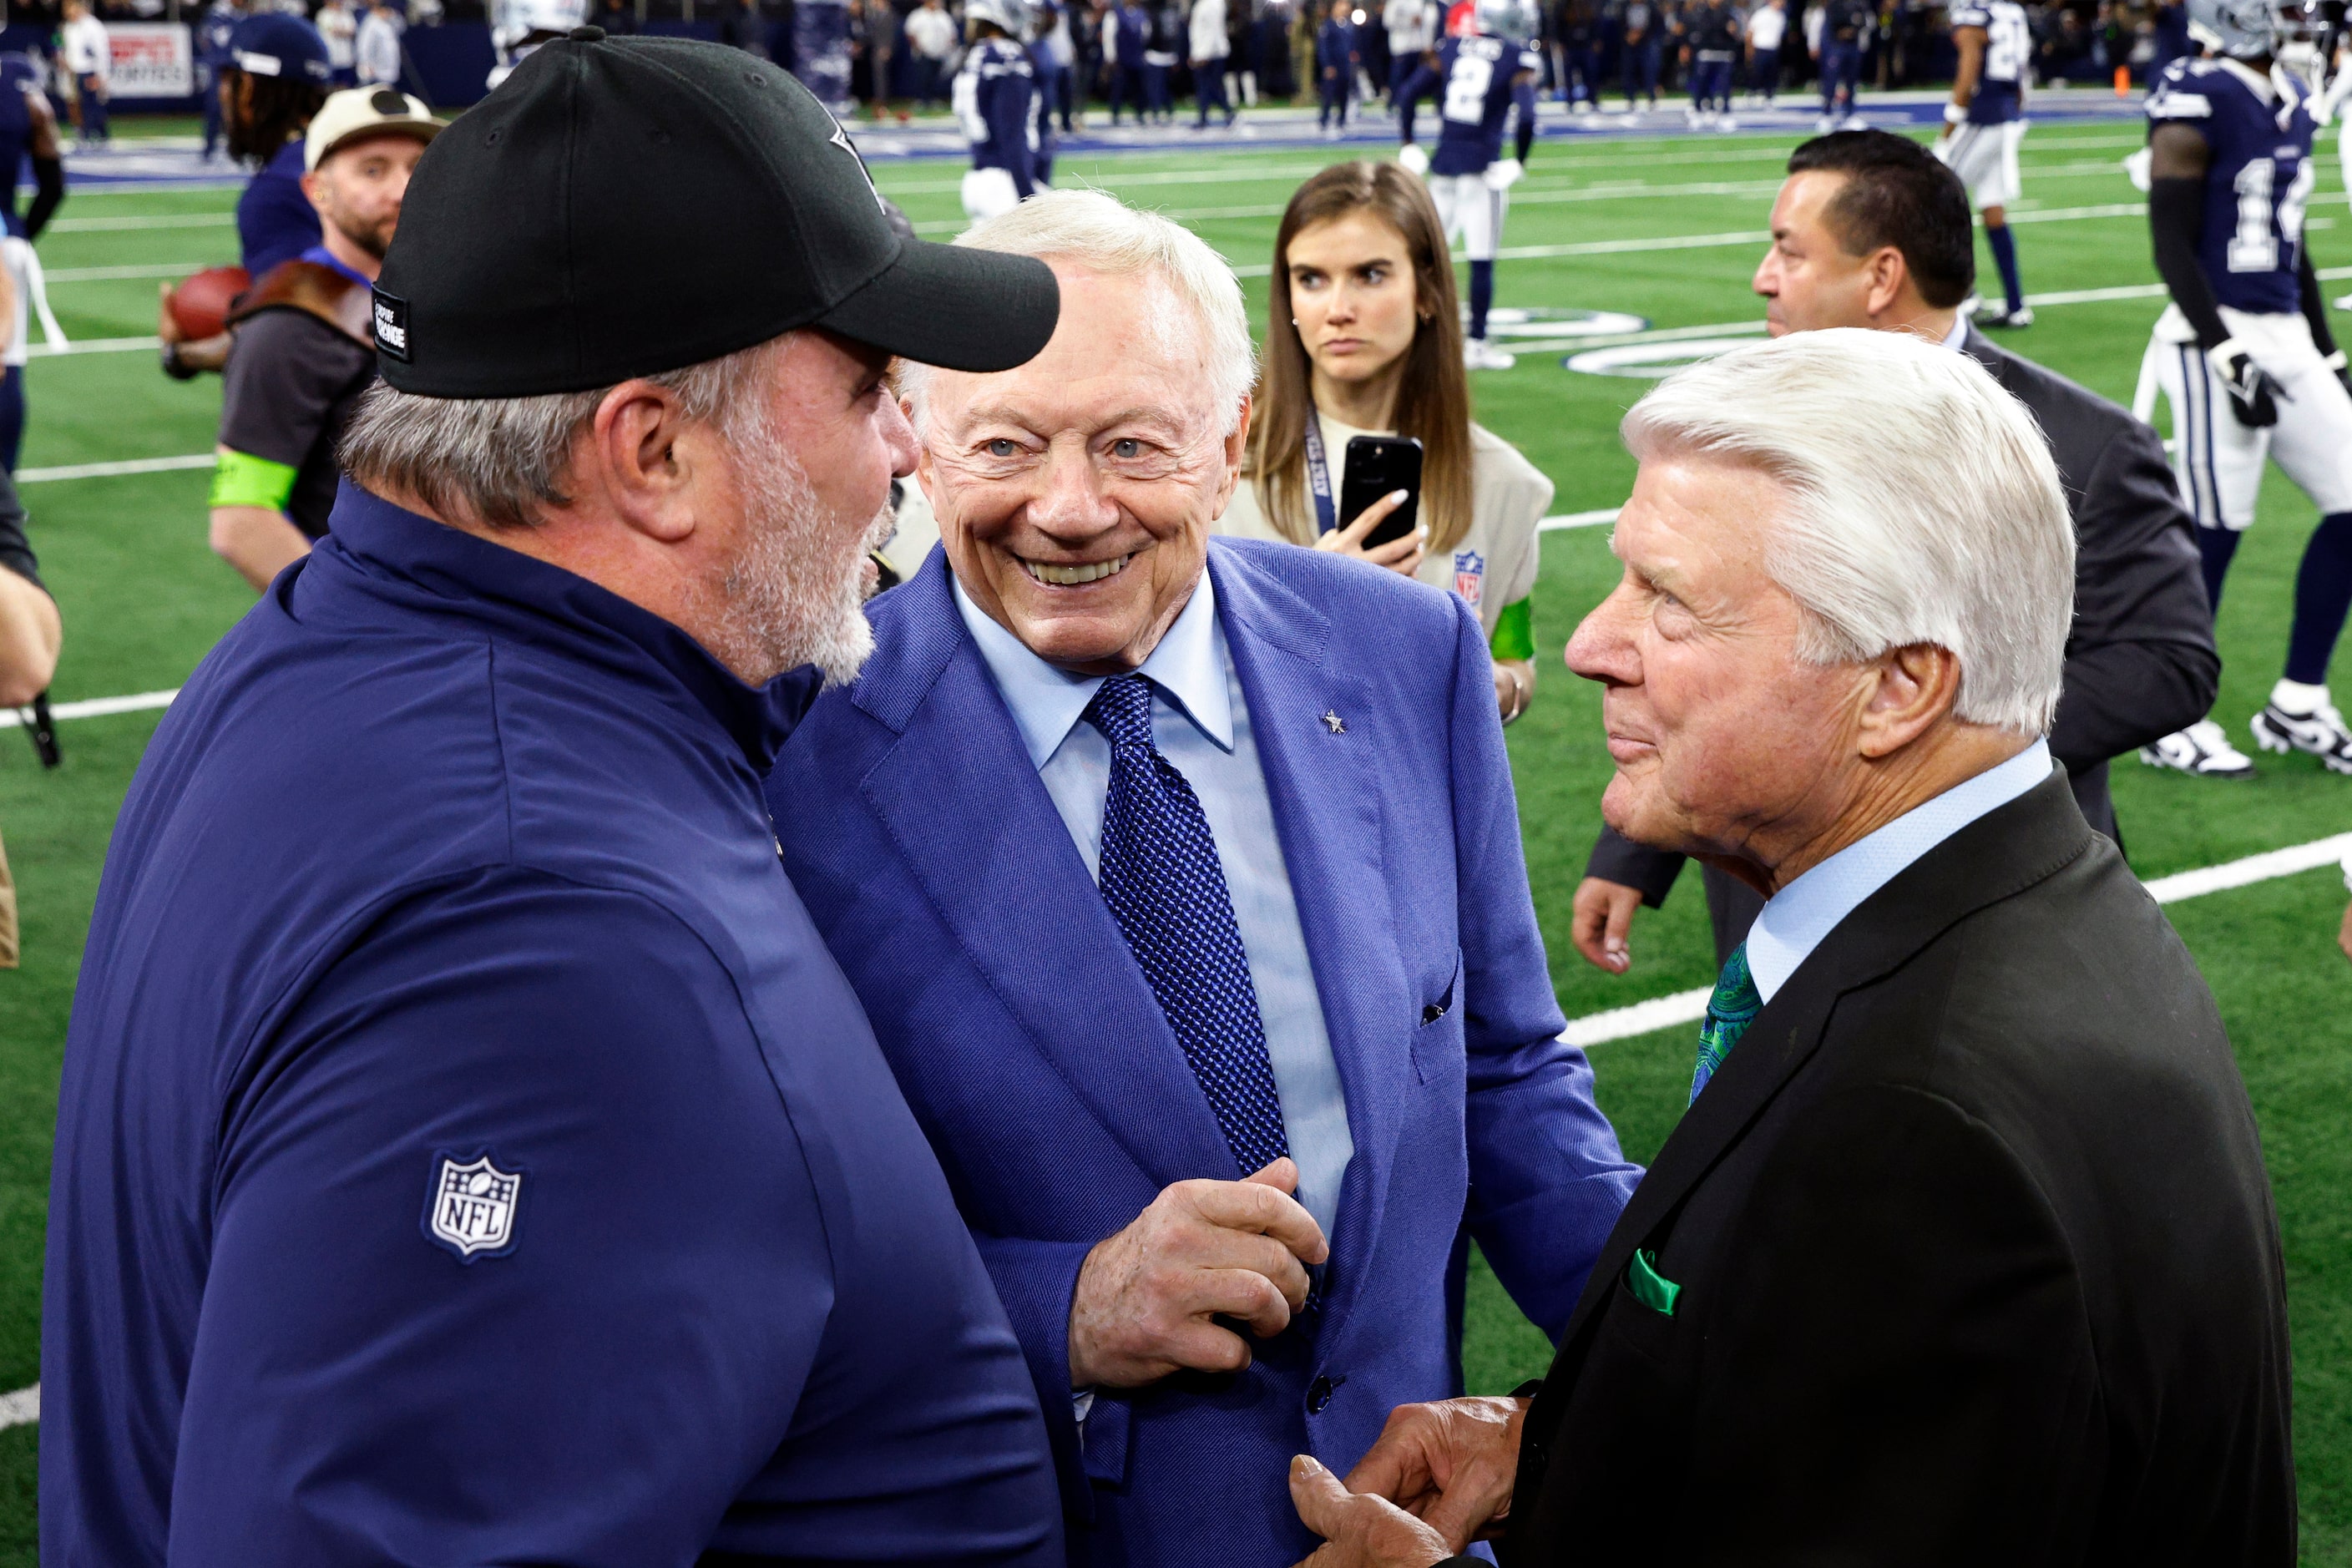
2254 247
1465 89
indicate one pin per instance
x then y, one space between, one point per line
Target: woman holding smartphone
1364 339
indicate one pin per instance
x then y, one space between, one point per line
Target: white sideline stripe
1577 520
22 1408
106 274
154 220
109 471
1690 1007
95 346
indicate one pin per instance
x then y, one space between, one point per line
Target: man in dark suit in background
1963 1253
1871 231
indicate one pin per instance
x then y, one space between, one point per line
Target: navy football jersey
1477 72
19 78
2008 43
1713 31
1848 23
991 99
2257 183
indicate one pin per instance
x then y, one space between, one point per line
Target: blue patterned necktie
1159 876
1729 1011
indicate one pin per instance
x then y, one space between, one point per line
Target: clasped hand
1440 1477
1147 1299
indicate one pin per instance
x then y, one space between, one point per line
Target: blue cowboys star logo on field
1470 576
471 1207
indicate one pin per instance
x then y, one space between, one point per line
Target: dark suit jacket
1976 1257
2140 663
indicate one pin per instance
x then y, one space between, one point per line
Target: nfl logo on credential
1470 576
470 1206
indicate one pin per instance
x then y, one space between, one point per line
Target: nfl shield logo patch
470 1207
1469 576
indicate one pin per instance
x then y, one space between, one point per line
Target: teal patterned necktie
1729 1011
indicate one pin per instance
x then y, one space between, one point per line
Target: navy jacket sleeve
1651 872
594 1390
2141 662
1547 1178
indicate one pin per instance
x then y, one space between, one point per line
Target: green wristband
1515 635
243 479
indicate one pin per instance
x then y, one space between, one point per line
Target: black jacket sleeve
1617 858
2140 663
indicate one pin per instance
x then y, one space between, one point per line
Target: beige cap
361 111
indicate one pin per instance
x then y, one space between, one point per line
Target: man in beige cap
305 349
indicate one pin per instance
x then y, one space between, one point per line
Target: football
200 304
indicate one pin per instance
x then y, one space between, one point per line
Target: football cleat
2001 321
1478 355
1854 122
2202 750
2320 732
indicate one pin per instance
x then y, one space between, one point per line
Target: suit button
1319 1394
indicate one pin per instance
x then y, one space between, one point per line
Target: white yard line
96 346
153 220
1690 1007
22 1408
111 470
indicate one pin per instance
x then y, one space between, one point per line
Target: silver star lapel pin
1331 717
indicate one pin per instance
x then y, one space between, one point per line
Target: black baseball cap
625 206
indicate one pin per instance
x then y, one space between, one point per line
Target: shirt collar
1188 668
1960 332
413 560
1797 917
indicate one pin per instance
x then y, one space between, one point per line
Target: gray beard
795 595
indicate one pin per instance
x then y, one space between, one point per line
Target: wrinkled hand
1402 557
1147 1296
1600 920
1451 1465
1360 1531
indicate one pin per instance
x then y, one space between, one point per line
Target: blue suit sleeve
1035 1281
596 1391
1547 1178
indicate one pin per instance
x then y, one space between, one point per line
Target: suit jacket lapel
1325 789
1999 855
965 808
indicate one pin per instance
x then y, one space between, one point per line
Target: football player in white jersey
1983 124
2246 356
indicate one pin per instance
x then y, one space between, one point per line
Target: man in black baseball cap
468 1151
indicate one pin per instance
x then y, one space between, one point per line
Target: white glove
1504 173
1414 160
2138 168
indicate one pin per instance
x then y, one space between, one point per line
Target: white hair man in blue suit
1182 883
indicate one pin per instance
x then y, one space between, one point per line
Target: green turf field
144 599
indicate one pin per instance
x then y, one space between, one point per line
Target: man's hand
1600 920
1360 1531
1147 1298
1504 173
2344 937
1451 1465
2253 393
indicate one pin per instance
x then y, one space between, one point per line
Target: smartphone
1376 466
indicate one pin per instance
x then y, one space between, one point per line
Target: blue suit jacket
1035 1056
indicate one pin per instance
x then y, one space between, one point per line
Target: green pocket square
1650 1288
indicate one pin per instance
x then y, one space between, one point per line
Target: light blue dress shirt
1800 915
1201 723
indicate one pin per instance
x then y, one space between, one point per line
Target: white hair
1104 234
1923 504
